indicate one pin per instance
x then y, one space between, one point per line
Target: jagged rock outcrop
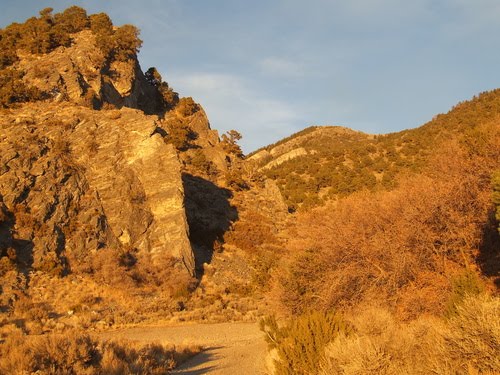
198 122
77 181
270 201
106 175
85 168
83 75
203 140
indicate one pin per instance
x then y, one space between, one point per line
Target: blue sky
271 68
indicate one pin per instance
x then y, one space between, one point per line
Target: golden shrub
467 344
300 343
76 352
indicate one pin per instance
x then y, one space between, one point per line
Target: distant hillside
323 163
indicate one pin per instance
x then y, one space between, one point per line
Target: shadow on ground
199 364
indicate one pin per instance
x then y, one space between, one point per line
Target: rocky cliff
109 178
117 198
83 74
87 162
76 181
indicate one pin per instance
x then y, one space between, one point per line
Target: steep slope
416 246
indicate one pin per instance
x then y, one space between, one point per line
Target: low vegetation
420 252
371 340
76 352
299 345
468 343
400 247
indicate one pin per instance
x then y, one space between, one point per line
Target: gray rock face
77 181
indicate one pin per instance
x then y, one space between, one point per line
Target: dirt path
231 348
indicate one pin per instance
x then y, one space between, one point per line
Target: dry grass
79 353
469 343
381 346
82 302
473 338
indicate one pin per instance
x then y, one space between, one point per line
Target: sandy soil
230 348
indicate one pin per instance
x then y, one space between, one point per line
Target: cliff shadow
20 255
19 250
24 254
489 250
209 215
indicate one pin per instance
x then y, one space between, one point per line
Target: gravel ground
230 348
